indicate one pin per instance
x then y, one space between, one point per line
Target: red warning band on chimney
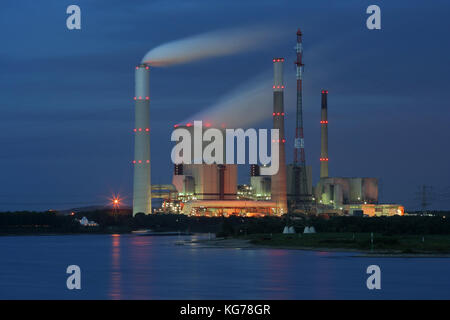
140 161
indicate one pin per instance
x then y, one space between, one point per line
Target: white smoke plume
249 104
212 44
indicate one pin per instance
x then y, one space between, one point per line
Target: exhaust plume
212 44
241 108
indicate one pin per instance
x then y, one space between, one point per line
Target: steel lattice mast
299 145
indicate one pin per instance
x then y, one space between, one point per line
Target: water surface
136 267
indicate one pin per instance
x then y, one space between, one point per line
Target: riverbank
382 246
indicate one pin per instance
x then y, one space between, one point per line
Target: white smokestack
142 195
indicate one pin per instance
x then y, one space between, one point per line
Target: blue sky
67 108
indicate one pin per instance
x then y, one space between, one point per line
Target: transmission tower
301 192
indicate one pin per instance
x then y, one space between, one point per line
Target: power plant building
260 185
345 195
339 191
205 181
211 189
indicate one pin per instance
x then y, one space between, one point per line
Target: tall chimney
278 184
142 193
324 136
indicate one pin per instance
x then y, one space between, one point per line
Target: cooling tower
324 136
278 184
141 186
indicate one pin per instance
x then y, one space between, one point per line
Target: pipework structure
278 183
142 192
324 136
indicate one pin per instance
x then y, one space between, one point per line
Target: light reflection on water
141 260
278 262
146 267
322 274
115 292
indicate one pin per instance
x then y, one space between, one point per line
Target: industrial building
336 192
212 190
344 195
339 191
205 181
260 186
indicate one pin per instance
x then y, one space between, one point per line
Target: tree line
123 221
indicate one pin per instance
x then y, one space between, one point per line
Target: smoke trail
211 44
250 103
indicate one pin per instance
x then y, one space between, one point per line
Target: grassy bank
356 241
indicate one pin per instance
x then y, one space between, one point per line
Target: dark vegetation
358 241
122 221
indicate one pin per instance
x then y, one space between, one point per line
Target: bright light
115 201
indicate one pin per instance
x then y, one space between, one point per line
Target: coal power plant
210 189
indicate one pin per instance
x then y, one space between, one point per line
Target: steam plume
211 44
250 103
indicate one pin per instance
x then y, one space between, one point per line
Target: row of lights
140 98
190 125
146 67
278 60
141 129
325 91
278 113
323 159
278 87
140 161
324 121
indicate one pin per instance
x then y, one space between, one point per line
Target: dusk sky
67 108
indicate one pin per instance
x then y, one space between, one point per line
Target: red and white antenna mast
299 150
301 185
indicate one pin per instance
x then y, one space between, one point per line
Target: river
153 267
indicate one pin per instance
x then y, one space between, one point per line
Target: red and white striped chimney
278 183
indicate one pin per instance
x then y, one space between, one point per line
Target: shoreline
233 243
239 243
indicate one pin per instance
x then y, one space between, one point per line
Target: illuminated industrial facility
212 190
